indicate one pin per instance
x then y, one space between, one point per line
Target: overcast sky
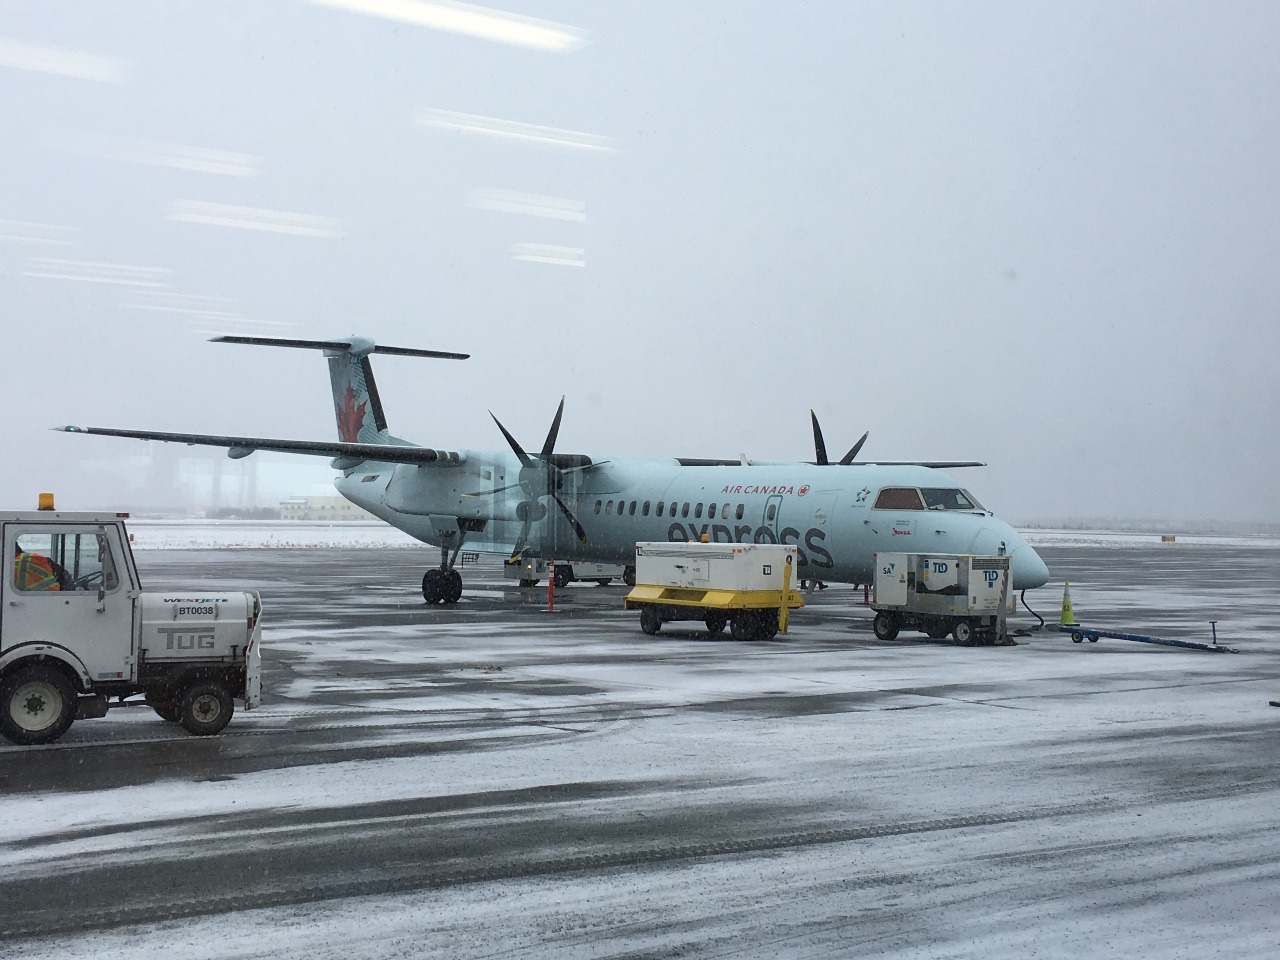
1038 235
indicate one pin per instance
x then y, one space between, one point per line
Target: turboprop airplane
577 507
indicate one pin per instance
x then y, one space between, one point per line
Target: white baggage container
749 586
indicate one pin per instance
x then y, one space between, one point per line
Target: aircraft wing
935 464
243 446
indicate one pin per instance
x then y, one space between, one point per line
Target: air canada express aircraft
576 507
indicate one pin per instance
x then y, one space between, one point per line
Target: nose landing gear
443 584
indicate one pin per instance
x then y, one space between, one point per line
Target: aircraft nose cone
1029 571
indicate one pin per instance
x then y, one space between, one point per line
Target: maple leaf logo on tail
350 417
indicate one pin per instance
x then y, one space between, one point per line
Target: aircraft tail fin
355 393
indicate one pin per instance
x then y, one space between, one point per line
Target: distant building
322 508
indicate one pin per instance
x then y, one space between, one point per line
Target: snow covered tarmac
493 780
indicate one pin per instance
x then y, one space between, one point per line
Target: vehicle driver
34 571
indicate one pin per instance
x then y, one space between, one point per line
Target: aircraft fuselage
828 512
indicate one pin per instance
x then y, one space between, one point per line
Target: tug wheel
205 709
37 705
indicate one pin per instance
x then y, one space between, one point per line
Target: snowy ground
494 780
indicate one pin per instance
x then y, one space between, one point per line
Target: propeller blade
565 471
853 452
577 527
549 447
490 493
524 457
522 539
819 445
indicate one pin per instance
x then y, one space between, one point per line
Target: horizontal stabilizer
241 446
358 345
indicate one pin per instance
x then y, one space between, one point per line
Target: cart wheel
650 622
1077 636
962 633
715 623
1093 639
766 624
885 626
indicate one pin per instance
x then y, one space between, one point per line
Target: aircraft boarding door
772 521
71 586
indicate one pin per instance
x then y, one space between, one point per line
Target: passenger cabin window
660 506
948 498
899 498
644 511
599 504
711 512
608 507
684 511
770 512
740 510
697 511
631 510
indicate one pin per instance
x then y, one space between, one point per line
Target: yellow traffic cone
1068 617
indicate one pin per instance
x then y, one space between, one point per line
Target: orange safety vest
35 572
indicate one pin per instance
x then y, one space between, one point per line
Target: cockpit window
948 498
899 498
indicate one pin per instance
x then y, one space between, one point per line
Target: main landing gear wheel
884 627
441 586
37 705
715 623
650 622
433 585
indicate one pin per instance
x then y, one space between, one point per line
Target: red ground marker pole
551 585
